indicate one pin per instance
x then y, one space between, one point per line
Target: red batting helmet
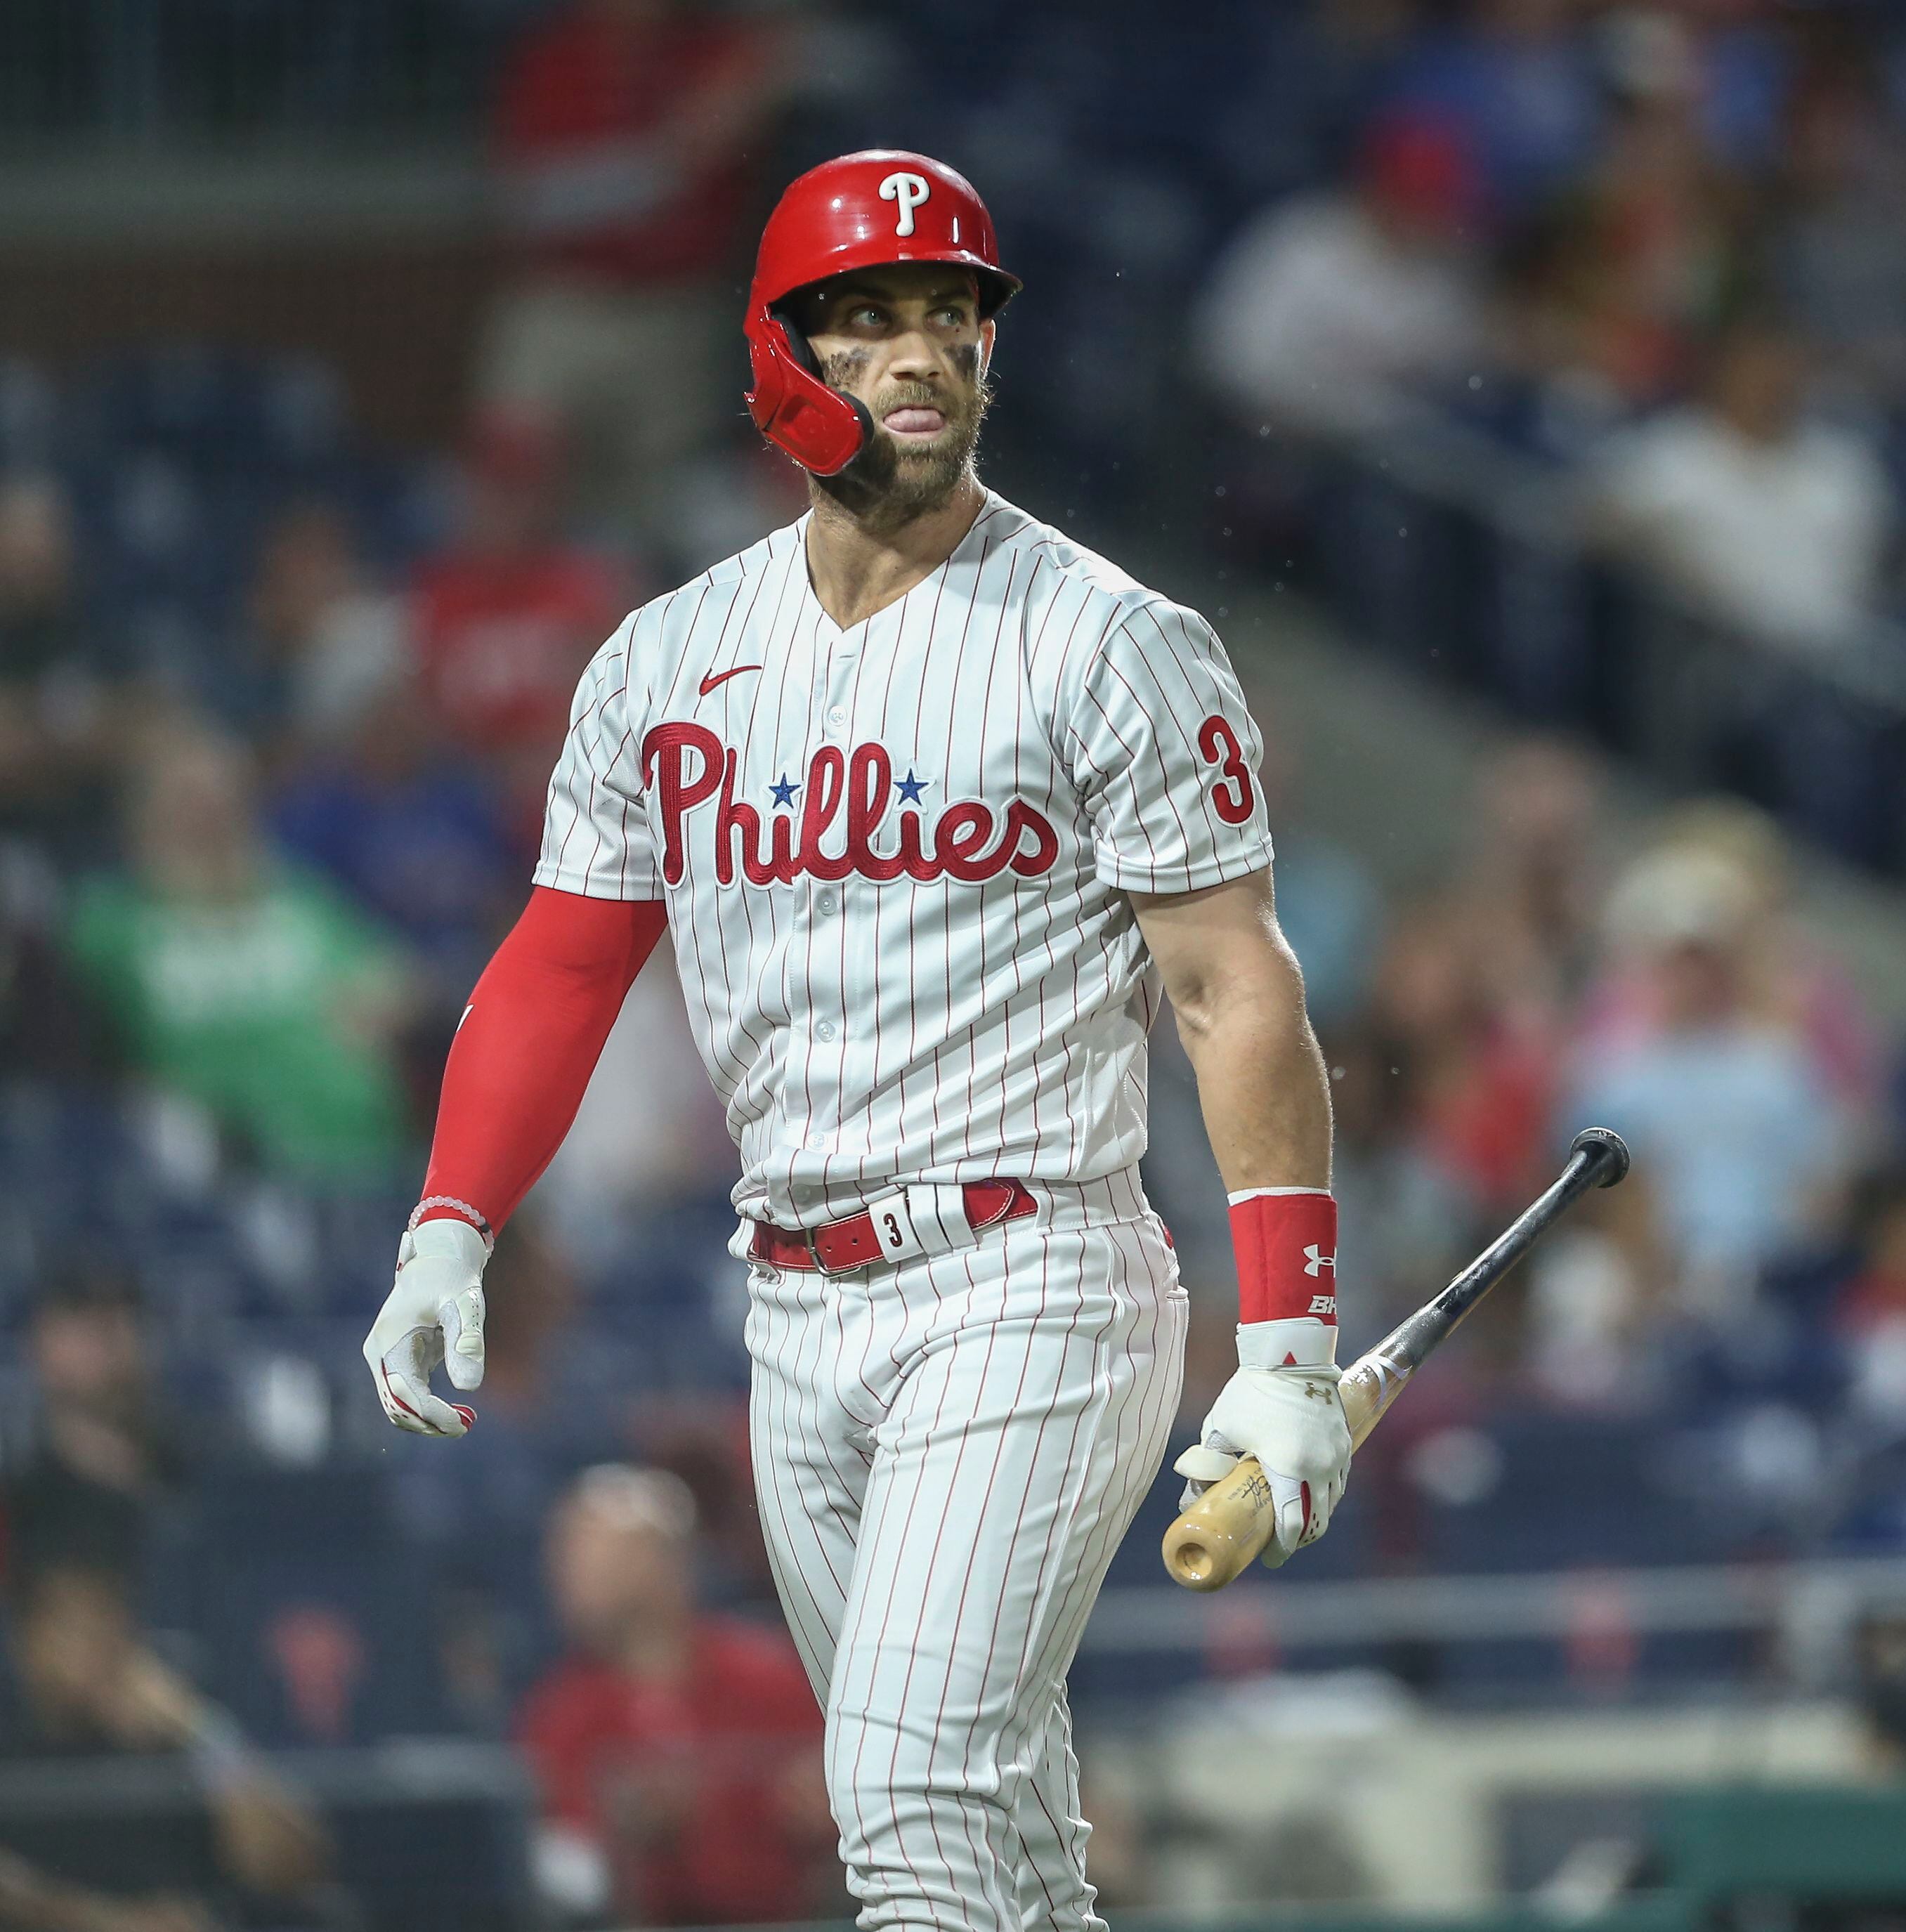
862 211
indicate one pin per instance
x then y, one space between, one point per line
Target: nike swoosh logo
716 677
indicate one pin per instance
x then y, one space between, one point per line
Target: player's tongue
915 419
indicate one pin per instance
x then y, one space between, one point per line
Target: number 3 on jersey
1233 798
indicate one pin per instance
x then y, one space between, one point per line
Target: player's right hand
433 1313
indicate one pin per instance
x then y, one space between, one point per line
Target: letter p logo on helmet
909 190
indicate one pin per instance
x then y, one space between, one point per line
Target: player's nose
915 356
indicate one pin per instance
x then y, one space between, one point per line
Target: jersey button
816 1143
826 902
825 1029
837 716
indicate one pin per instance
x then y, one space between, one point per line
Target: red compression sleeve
529 1040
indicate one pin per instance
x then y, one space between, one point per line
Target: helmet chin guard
868 210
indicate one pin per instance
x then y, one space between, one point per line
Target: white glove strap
1298 1342
456 1241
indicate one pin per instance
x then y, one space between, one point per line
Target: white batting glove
433 1313
1291 1419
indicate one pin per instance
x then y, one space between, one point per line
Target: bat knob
1607 1148
1193 1564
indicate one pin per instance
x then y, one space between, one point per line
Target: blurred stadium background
1520 385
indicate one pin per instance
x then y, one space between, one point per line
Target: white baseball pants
947 1454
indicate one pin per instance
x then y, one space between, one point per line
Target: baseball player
935 806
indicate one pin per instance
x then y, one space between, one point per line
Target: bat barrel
1597 1157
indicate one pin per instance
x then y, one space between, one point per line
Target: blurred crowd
1655 248
277 708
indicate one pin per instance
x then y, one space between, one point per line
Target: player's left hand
433 1313
1291 1419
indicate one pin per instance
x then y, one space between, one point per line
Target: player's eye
865 315
951 316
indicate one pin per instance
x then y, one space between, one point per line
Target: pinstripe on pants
947 1455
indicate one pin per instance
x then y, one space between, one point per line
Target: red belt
834 1247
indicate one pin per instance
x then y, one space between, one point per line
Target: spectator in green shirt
241 984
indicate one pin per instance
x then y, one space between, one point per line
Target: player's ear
988 331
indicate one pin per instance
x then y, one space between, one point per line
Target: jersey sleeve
1165 757
596 833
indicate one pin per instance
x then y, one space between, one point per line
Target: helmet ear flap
803 352
821 429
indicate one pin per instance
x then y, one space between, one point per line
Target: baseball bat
1225 1530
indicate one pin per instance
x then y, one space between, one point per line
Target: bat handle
1370 1384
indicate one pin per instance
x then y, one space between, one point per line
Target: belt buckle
812 1239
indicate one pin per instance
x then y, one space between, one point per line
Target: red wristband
1285 1241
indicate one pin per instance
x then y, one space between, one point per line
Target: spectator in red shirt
623 135
679 1753
1871 1316
507 617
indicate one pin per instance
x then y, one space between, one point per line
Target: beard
891 483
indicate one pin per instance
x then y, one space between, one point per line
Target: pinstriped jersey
897 857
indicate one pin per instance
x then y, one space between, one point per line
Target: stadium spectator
88 1446
1772 522
1331 309
679 1754
1533 884
1797 985
1605 286
412 835
1307 77
324 645
1567 362
1744 1142
32 1900
89 1453
1659 244
58 702
1517 79
90 1685
1871 1314
702 1437
624 131
1838 243
48 1030
507 616
239 984
1481 1062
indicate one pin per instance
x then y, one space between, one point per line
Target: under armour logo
1312 1392
909 190
1316 1261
